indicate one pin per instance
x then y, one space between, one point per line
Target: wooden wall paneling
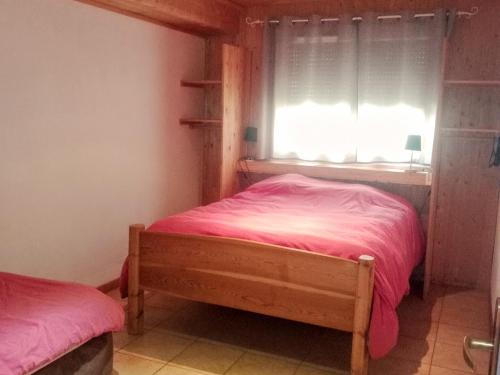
212 138
472 107
435 165
466 213
467 217
468 190
232 93
329 8
194 16
350 172
475 54
335 8
212 155
252 40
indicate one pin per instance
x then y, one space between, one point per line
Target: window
351 91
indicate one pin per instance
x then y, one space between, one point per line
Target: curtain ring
473 12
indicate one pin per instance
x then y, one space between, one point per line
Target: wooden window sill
396 174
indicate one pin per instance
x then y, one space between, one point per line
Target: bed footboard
135 294
273 280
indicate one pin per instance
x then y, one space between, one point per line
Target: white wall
89 135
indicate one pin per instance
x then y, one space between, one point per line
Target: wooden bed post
135 295
362 310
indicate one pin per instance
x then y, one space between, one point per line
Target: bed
51 327
327 253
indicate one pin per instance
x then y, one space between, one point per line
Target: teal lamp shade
250 134
414 143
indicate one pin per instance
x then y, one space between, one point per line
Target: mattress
43 320
332 218
95 357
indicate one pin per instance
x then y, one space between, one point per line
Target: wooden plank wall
232 92
212 141
468 194
468 188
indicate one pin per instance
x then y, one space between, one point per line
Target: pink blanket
40 320
345 220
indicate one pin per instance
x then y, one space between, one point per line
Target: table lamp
250 136
413 143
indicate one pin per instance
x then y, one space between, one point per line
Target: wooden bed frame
293 284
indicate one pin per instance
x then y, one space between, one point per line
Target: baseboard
109 286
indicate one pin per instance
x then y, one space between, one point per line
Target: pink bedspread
345 220
40 320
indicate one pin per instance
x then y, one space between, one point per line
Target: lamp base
411 164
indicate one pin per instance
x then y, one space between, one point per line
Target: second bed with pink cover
41 320
333 218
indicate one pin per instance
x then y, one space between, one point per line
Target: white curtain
351 91
398 85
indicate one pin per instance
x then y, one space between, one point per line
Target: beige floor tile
413 350
450 357
260 333
153 316
414 308
236 328
437 291
332 350
444 371
315 370
158 345
196 319
122 338
177 370
252 364
466 317
455 334
424 330
470 298
284 338
396 366
208 356
124 364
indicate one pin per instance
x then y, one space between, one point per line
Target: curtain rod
467 15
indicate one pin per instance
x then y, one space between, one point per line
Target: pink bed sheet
40 320
345 220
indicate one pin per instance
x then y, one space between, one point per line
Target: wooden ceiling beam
201 17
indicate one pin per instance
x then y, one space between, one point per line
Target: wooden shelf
351 172
471 83
200 84
474 133
200 122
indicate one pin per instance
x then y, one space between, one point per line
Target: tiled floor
189 338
